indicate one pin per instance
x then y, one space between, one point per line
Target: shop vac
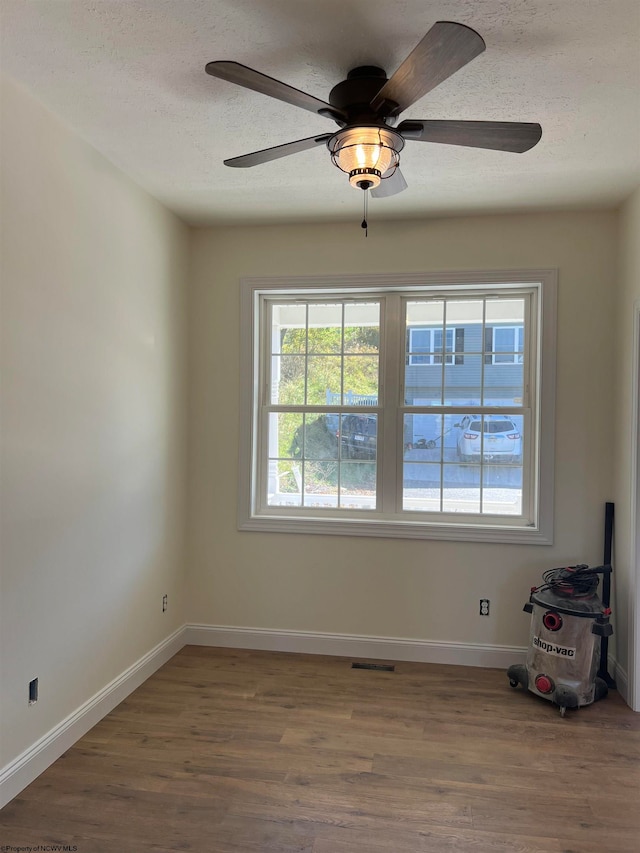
567 659
567 621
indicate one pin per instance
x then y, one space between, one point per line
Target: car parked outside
500 441
359 436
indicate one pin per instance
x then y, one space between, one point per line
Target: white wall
93 421
389 588
627 300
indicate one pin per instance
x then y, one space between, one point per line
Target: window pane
360 380
465 312
461 488
502 489
464 318
463 382
358 485
362 327
307 439
421 346
288 379
505 331
430 438
421 486
424 321
323 379
318 440
320 484
505 311
423 385
289 333
286 435
503 384
359 437
285 483
325 328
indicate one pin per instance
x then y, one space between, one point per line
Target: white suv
501 440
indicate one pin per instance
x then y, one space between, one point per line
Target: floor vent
380 667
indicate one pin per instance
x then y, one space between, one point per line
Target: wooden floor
224 751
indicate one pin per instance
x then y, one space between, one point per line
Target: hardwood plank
472 776
458 841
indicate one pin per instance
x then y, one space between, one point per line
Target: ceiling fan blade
445 49
268 154
233 72
499 135
392 185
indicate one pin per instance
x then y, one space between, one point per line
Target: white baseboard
33 761
621 679
351 645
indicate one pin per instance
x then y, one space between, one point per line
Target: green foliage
313 363
325 368
329 340
314 440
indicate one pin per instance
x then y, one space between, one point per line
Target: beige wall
93 421
627 305
378 587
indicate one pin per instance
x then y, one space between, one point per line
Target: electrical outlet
33 691
484 606
165 602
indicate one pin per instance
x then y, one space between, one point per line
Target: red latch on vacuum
545 684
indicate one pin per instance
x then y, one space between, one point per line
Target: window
425 346
504 345
400 406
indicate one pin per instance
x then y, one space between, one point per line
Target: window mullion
442 399
264 385
482 398
391 382
444 328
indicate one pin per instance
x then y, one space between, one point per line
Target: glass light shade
366 153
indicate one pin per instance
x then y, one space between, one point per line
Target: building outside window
425 345
410 408
505 344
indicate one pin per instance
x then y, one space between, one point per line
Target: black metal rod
603 672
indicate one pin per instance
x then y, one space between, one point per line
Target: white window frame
539 388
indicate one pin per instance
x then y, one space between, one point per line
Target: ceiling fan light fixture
366 153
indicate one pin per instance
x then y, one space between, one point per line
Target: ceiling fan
366 105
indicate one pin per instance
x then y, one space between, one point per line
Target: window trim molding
464 281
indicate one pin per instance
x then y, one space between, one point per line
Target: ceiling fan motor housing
354 95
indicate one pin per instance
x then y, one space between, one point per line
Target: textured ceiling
128 76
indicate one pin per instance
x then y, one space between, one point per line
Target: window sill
398 530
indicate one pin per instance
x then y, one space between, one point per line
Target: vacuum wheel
517 674
563 710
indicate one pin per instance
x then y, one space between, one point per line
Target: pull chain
364 224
